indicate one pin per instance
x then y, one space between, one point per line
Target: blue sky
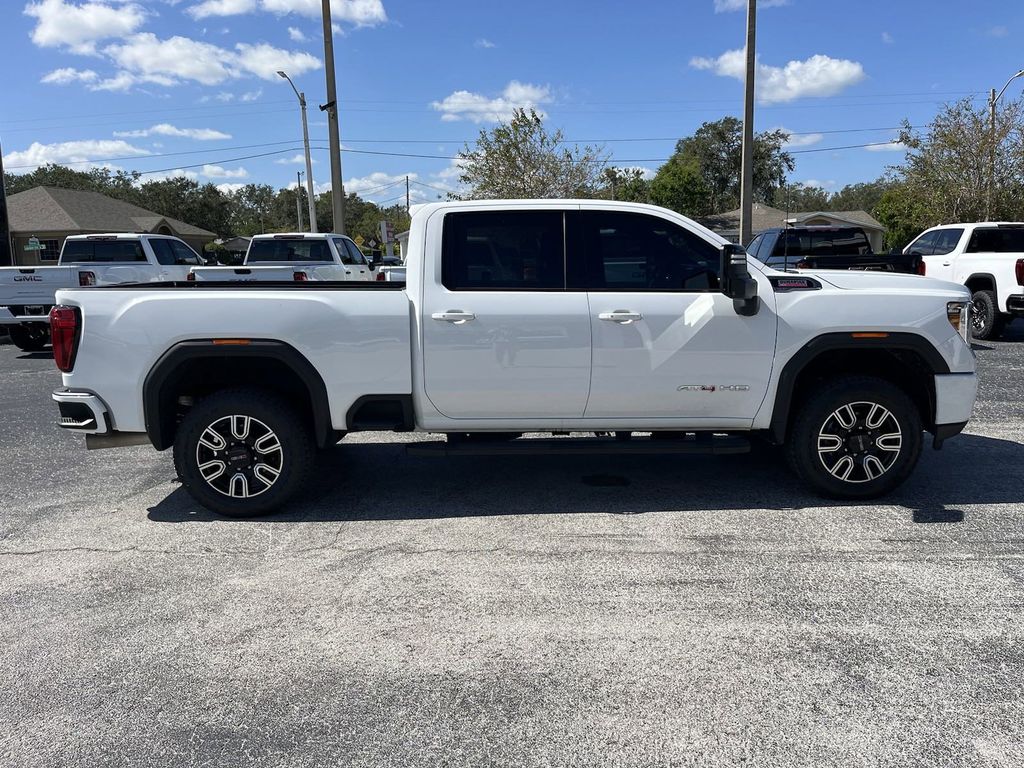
113 82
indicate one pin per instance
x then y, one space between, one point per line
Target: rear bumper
82 412
9 318
1015 305
954 399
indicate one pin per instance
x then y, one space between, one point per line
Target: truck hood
887 282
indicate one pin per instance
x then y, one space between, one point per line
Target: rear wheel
243 452
30 337
857 438
986 320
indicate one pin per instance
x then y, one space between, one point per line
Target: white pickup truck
298 256
27 293
986 257
627 322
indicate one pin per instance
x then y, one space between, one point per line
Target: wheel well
194 370
905 368
981 283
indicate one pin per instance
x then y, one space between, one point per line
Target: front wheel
986 320
30 337
243 452
857 438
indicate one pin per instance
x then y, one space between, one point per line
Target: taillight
300 277
1019 269
191 277
64 334
380 277
86 278
922 268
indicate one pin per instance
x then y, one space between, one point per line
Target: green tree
202 205
521 159
903 213
863 196
626 184
802 199
680 185
119 184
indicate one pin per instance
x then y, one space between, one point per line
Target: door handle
623 316
456 316
945 263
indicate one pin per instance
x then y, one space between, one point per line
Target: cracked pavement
528 611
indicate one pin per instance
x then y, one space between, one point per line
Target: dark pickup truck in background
825 247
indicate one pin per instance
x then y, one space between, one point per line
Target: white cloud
483 42
998 31
219 172
251 95
481 109
724 6
818 75
296 35
176 57
229 188
376 180
801 139
298 159
264 60
164 175
79 27
67 152
817 183
889 146
166 129
67 75
220 8
887 38
361 13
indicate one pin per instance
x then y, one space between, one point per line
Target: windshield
287 250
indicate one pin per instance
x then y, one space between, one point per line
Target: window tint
343 252
925 244
637 252
503 250
162 249
79 251
185 255
754 245
846 241
288 250
997 240
946 241
356 253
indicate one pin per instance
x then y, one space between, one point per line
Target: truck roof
118 236
296 236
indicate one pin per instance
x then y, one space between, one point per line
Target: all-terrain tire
986 320
30 338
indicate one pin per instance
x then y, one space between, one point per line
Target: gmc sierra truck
624 323
988 258
298 256
27 293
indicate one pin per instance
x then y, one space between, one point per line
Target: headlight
959 315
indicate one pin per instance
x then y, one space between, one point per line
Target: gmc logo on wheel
28 279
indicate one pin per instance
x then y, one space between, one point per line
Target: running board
585 446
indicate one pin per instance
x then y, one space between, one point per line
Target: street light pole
298 199
747 170
331 108
309 160
993 99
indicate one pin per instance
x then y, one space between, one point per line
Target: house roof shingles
765 217
51 209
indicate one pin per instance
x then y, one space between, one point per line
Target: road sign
33 244
371 243
359 240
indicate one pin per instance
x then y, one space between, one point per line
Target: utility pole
334 136
993 99
309 160
298 199
6 249
406 194
747 170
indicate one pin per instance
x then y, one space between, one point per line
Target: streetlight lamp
993 99
309 160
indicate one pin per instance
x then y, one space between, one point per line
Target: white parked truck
626 322
988 258
297 256
27 293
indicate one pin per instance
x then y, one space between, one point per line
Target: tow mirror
737 283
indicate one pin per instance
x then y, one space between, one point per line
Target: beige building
765 217
51 214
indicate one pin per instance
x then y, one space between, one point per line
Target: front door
667 343
502 338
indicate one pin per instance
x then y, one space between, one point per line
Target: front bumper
82 412
954 400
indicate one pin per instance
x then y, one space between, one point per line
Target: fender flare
160 423
828 342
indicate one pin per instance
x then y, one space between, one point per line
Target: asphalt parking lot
528 611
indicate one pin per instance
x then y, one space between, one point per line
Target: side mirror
737 283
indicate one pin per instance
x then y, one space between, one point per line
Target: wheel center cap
858 443
239 456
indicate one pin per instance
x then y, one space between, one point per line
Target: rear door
502 337
668 344
352 258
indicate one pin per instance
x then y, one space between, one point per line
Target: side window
162 249
638 252
925 244
356 253
754 245
946 241
503 250
343 252
184 255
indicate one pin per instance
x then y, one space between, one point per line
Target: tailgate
241 274
34 285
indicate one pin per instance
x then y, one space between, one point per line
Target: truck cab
298 256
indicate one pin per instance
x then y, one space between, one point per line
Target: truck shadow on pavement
377 481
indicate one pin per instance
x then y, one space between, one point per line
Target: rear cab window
996 240
91 251
288 249
845 241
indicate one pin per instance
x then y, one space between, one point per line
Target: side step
700 443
